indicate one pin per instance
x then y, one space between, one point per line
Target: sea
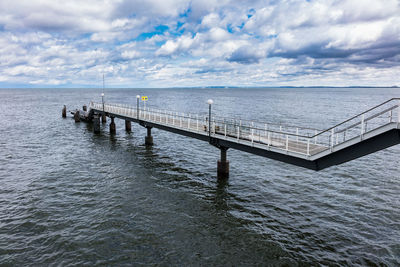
69 197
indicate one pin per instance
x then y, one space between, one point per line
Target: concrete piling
223 165
64 112
103 118
112 126
128 126
96 124
148 139
84 107
77 118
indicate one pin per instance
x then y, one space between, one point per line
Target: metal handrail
245 130
352 118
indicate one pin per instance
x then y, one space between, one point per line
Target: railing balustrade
303 140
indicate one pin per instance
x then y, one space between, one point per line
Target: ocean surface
70 197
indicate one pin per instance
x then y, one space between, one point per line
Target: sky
181 43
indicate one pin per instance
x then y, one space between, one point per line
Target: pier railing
296 139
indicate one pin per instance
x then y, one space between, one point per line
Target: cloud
246 55
193 42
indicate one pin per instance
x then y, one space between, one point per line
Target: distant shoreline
206 87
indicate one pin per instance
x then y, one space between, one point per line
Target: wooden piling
96 124
77 118
64 112
112 126
128 126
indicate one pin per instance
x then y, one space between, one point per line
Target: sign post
144 99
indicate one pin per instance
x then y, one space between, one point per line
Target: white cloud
183 42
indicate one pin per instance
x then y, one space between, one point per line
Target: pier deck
365 133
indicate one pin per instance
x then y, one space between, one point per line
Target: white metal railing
301 140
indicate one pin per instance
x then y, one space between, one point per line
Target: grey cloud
246 55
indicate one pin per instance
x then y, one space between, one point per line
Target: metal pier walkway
365 133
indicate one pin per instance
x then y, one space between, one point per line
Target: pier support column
103 118
112 126
64 112
76 116
148 139
96 124
84 107
223 165
128 126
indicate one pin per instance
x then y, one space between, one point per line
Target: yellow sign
145 98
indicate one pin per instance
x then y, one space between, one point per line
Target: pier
375 129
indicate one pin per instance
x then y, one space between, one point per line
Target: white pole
213 126
316 136
332 133
252 132
398 112
287 142
238 133
308 146
225 130
362 124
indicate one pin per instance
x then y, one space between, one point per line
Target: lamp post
103 116
210 102
137 106
102 100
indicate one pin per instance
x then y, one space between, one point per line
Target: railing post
252 132
269 138
332 133
287 142
189 122
308 146
316 136
238 133
225 130
398 112
362 125
213 126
